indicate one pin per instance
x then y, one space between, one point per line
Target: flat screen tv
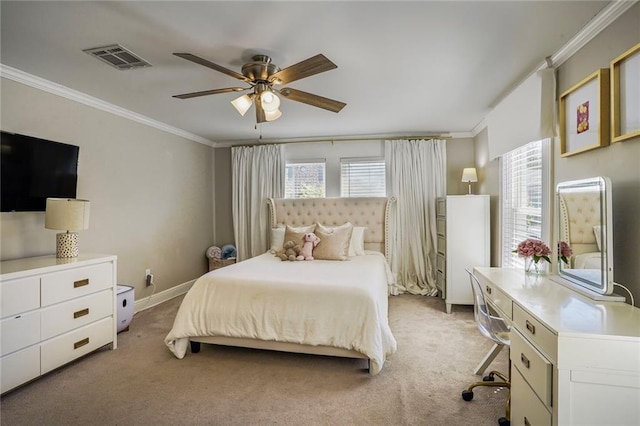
34 169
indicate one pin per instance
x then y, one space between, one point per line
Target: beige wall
150 191
460 154
620 161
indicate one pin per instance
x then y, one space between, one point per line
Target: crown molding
74 95
602 20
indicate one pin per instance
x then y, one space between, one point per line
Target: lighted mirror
585 226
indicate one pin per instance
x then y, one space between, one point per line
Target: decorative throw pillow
334 242
356 245
277 238
295 233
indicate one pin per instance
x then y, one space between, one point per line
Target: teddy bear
290 251
310 241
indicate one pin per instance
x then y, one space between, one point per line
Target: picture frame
625 95
585 114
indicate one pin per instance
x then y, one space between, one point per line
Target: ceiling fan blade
260 115
306 68
210 92
311 99
208 64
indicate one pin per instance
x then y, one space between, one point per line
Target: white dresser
53 311
575 361
464 241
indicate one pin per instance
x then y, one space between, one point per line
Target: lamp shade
469 175
243 103
67 214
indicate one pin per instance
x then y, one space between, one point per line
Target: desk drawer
441 264
441 226
534 367
75 313
65 285
76 343
442 245
440 283
533 330
500 300
441 206
526 408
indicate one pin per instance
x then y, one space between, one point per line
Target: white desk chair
495 329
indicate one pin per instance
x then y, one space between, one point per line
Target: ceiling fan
262 75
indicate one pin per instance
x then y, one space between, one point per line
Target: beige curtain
258 173
417 177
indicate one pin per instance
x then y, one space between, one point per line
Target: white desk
575 361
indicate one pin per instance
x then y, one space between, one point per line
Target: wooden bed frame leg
195 347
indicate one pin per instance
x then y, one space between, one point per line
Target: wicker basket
219 263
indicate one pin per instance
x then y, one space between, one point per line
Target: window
525 198
305 179
362 177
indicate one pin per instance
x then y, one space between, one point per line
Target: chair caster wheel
488 378
467 395
503 421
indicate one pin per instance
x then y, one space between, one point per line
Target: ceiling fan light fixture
270 102
243 103
272 115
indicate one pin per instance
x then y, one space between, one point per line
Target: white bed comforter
341 304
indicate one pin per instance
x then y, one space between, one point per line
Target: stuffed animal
310 240
290 251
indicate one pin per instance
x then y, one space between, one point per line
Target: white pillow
277 239
356 245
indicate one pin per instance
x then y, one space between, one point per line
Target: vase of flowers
534 253
564 252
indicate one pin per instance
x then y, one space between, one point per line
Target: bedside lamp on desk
67 214
469 175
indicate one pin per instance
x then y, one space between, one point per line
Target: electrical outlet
148 277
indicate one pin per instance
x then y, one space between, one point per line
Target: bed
322 307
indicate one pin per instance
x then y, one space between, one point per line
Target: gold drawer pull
524 360
81 283
531 327
81 343
526 421
488 289
81 313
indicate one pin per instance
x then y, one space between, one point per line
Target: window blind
362 177
523 196
305 179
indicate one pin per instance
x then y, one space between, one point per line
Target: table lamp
469 175
67 214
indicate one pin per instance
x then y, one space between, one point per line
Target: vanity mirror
585 224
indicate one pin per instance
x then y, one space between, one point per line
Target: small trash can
125 302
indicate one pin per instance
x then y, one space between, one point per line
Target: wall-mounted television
33 169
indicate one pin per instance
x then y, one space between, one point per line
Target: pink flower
533 248
564 251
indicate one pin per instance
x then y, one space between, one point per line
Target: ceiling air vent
118 57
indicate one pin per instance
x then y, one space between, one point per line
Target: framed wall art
625 95
584 115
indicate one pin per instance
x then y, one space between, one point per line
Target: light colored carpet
142 383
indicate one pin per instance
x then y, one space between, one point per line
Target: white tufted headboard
371 212
579 213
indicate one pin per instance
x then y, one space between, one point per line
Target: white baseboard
163 296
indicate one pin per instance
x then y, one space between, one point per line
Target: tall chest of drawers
53 311
464 242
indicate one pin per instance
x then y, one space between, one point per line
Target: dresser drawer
441 226
62 349
63 317
526 408
533 330
19 295
442 245
441 263
440 282
65 285
499 300
534 367
20 331
19 367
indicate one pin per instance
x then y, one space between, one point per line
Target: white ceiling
404 68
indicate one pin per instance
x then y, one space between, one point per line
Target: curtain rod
344 139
